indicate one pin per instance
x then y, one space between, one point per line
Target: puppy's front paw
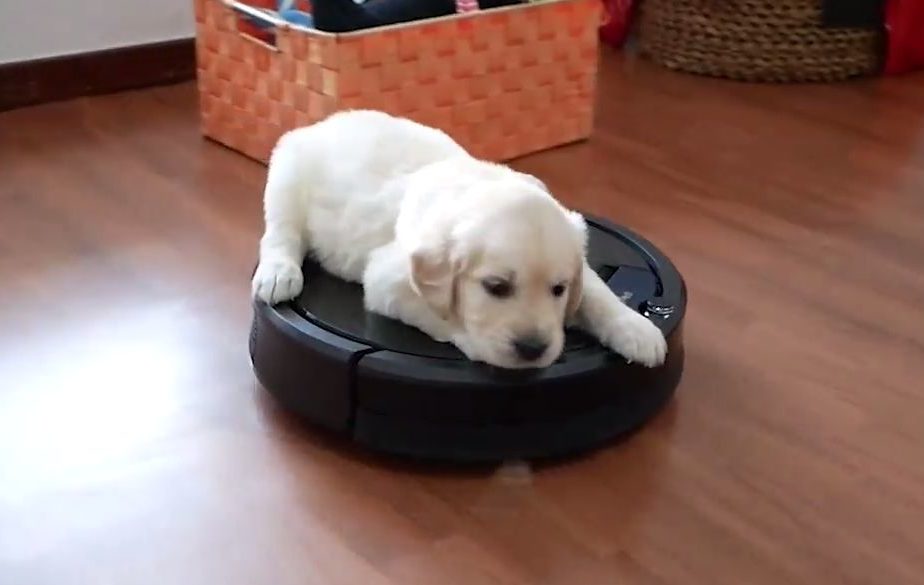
638 340
275 282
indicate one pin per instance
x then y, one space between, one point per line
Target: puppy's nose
530 349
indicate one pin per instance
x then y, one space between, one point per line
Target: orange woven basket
503 82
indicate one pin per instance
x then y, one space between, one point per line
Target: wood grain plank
136 447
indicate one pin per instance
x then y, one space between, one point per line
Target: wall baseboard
58 78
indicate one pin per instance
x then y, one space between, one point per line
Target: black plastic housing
392 389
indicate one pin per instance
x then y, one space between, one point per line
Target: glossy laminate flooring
135 446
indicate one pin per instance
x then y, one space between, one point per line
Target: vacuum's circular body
392 389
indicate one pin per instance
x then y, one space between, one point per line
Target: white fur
426 228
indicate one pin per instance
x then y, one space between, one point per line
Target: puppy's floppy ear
433 275
576 286
575 291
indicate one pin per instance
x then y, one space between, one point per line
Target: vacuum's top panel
630 266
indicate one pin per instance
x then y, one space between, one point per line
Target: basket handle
268 19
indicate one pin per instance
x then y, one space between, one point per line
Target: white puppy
467 251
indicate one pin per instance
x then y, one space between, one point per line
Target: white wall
31 29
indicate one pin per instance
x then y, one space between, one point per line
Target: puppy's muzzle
530 349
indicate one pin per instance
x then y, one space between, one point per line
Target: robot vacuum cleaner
392 389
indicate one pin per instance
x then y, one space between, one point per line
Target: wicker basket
754 40
503 82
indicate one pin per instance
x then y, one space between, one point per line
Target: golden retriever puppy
468 251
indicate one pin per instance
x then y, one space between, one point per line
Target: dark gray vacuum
392 389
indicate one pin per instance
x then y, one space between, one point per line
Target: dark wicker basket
754 40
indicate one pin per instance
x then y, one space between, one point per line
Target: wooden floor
135 446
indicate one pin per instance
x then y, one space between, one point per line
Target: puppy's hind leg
282 248
605 316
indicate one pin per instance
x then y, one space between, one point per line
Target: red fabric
245 26
904 21
616 21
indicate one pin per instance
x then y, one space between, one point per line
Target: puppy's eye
497 287
558 290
